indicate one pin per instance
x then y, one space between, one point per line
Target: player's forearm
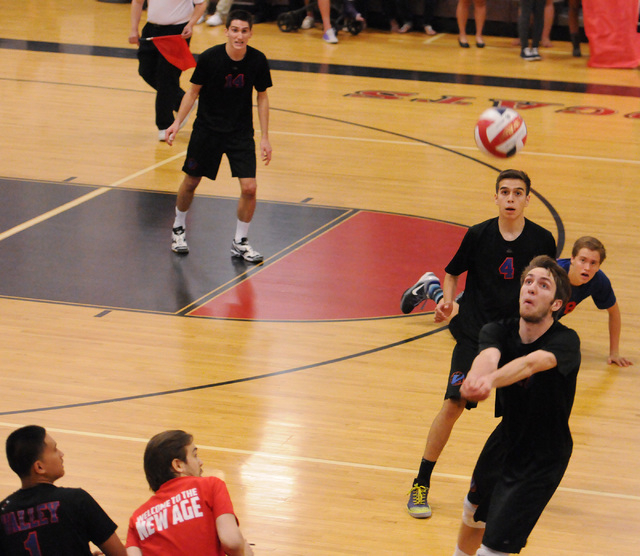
486 362
136 15
615 329
449 287
186 104
522 368
263 114
198 12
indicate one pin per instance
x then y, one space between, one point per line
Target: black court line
357 71
229 382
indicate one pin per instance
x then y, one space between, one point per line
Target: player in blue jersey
587 279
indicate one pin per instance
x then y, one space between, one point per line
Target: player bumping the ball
533 362
493 254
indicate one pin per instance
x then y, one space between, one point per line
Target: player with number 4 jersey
493 254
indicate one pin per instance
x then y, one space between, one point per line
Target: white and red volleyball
500 132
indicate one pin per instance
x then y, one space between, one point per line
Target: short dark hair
242 15
160 452
24 447
514 175
590 243
559 275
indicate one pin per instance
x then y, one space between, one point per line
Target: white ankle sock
242 230
181 219
486 551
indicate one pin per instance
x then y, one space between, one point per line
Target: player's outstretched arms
476 389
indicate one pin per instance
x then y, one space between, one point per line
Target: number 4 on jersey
506 268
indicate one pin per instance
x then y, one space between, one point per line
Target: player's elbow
539 361
235 548
229 534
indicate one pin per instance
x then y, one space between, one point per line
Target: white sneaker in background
330 36
214 20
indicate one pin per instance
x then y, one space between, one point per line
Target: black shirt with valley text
46 520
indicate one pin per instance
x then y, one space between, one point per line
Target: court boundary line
83 198
320 461
231 381
452 147
295 66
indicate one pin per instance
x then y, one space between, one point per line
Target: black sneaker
428 287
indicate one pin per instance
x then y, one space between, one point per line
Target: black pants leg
160 74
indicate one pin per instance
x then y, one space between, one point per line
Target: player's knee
468 511
249 188
454 407
190 183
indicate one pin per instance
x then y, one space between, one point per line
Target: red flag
175 50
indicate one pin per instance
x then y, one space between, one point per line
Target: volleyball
500 132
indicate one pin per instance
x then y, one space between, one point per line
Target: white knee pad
468 511
484 551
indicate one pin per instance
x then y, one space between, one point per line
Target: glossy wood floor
319 426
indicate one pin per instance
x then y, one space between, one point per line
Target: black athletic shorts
206 149
464 353
511 495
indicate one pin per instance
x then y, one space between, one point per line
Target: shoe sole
241 256
180 250
420 516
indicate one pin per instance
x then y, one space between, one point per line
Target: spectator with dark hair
188 514
42 518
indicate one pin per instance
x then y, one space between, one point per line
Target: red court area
356 270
